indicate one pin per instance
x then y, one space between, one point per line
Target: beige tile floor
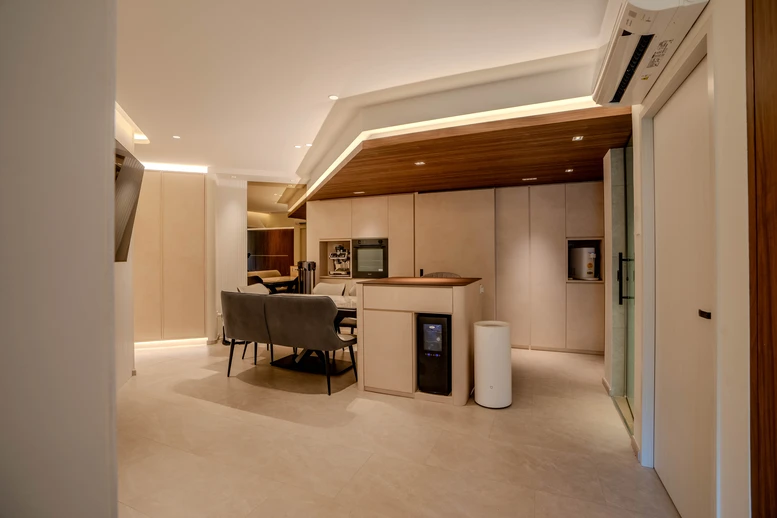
269 443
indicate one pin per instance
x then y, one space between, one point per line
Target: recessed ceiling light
358 192
234 177
276 194
290 185
297 146
420 163
577 138
308 145
569 170
176 136
333 97
527 179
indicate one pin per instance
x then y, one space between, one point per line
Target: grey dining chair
262 290
244 319
308 322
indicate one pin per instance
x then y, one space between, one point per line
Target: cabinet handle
621 260
705 314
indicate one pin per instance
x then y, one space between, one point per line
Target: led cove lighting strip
176 168
162 344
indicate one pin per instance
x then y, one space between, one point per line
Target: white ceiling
262 197
244 81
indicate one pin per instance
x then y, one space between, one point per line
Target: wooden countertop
440 282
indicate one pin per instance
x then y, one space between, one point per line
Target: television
128 176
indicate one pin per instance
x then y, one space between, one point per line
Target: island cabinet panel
387 345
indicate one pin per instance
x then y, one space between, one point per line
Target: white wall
231 259
57 383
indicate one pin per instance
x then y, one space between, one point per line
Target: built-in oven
370 258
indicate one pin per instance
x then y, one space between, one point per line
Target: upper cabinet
585 209
332 219
401 234
370 217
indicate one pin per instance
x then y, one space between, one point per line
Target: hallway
268 443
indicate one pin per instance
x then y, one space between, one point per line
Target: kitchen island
388 348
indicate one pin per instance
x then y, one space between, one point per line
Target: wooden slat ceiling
492 154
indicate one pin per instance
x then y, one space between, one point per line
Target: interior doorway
629 286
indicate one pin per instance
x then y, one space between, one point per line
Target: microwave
370 258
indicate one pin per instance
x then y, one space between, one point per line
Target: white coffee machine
582 264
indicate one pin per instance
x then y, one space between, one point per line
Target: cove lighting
333 97
309 145
297 146
420 163
569 170
528 179
358 192
577 138
139 136
176 168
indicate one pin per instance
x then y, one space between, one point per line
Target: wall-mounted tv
128 176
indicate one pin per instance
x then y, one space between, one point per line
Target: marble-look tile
548 505
529 466
292 502
628 485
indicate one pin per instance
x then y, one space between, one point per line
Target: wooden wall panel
762 133
183 255
146 260
369 217
513 286
585 209
454 232
271 249
548 266
401 232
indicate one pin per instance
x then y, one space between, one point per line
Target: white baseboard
635 447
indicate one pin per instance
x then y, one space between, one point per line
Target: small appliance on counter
434 353
341 260
582 264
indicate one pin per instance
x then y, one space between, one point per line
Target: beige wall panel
334 219
548 266
454 232
402 298
585 317
387 346
401 231
369 217
147 260
183 255
585 209
513 285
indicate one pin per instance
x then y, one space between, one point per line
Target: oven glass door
371 262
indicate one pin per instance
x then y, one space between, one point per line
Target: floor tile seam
351 479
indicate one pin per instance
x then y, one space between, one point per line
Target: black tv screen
129 177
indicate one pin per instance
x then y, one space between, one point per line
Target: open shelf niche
335 258
587 242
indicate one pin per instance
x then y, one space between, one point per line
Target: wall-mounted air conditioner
646 35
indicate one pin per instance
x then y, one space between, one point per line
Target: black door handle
705 314
621 260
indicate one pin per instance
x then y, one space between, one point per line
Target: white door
685 284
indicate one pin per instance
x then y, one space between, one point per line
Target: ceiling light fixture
420 163
176 136
569 170
527 179
333 97
577 138
309 145
176 168
298 146
358 192
234 177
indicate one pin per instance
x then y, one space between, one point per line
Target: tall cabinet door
547 221
401 234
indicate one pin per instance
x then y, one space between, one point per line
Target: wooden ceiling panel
494 154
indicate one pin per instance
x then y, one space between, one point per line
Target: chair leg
353 361
244 350
272 359
256 345
326 368
231 352
267 346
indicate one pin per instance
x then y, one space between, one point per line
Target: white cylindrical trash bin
493 365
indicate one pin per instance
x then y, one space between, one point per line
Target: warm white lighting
234 177
176 168
298 146
358 192
333 97
569 170
290 185
139 136
276 194
528 179
161 344
577 138
420 163
309 145
176 136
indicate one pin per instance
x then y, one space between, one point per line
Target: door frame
690 53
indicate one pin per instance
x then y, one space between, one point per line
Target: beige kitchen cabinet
332 219
547 220
401 234
585 316
369 217
585 209
388 350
